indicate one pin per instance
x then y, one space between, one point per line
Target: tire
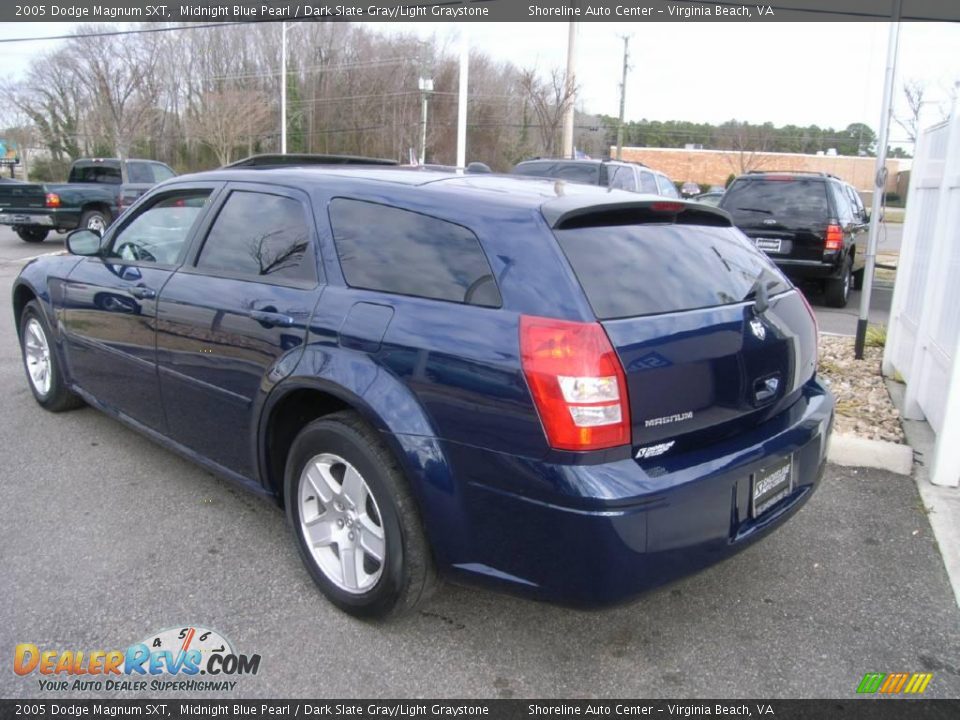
32 234
36 348
858 279
328 453
96 220
837 290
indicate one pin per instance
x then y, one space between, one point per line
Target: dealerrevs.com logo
178 659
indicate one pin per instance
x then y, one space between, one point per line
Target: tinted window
397 251
842 203
578 172
648 183
623 179
260 235
148 172
630 270
537 169
794 198
95 174
858 210
159 233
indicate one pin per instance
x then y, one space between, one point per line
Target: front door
110 304
233 320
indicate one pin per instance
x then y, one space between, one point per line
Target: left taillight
577 383
52 200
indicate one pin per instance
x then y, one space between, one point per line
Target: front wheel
32 234
355 521
40 361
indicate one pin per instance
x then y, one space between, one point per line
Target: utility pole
623 95
462 98
283 88
426 87
880 182
570 89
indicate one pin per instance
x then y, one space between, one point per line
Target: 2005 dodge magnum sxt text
568 392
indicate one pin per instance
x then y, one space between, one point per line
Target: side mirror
84 242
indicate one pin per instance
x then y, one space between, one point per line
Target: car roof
551 197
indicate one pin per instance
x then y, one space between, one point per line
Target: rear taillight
577 383
667 206
833 240
52 200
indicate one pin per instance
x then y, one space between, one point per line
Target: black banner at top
476 10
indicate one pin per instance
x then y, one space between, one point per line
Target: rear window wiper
759 210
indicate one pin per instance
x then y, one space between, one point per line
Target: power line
141 31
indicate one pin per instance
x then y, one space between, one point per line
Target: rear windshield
574 172
98 173
799 199
630 270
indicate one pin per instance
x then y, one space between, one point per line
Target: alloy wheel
36 352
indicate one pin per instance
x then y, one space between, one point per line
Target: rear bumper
608 532
808 269
48 219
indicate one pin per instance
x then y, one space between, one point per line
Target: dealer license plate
771 484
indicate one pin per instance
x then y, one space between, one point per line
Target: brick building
713 167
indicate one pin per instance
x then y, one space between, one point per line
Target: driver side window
159 233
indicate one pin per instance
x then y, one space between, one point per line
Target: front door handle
271 318
143 292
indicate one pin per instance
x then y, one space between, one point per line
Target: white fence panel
924 333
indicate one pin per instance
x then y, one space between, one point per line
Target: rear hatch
21 197
786 216
683 306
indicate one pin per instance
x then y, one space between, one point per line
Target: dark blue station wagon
567 392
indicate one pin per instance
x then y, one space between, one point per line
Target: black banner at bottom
850 709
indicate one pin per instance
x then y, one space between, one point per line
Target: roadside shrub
876 336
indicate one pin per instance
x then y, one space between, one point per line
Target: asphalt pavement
107 538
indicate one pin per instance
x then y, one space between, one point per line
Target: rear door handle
143 292
271 318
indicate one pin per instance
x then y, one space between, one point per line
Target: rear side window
648 183
623 179
398 251
578 172
631 270
98 173
534 169
794 198
842 203
260 236
667 187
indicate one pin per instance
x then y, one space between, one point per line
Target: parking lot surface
106 539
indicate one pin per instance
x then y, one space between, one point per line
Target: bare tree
549 100
913 94
227 119
749 144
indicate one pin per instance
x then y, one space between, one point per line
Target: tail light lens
577 383
834 238
52 200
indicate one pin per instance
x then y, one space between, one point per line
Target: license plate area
769 485
770 245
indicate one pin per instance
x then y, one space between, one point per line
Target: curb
852 451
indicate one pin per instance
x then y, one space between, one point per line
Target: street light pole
426 87
570 89
880 182
283 88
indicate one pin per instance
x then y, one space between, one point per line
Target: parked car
709 198
572 396
689 189
813 226
606 173
93 196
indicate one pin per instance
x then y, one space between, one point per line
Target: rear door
677 302
786 216
234 318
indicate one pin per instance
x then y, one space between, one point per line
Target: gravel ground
864 407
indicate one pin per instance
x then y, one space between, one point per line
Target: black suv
812 225
634 177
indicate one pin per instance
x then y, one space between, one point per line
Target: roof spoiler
584 211
300 159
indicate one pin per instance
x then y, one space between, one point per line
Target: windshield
630 270
796 199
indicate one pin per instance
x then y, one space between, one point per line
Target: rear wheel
32 234
356 524
96 220
837 290
40 361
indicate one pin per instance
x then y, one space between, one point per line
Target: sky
828 74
